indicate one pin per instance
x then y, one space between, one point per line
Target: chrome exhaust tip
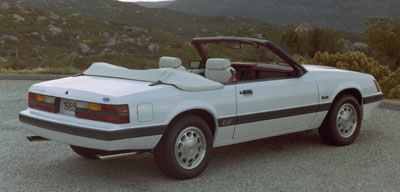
112 156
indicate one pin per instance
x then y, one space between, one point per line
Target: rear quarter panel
168 102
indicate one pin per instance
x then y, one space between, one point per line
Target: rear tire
343 122
184 150
87 152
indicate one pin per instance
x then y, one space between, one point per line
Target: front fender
343 86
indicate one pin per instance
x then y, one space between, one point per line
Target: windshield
237 52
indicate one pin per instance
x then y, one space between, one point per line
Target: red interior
253 69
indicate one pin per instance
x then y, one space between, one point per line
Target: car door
268 107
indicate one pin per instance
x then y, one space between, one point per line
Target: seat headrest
218 64
170 62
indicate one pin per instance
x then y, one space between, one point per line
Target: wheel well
354 92
201 113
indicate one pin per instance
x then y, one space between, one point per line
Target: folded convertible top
180 79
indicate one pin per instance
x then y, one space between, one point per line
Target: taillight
117 114
378 88
43 102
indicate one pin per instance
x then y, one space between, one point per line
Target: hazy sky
142 0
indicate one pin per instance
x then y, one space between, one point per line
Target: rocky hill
339 14
35 38
176 22
39 34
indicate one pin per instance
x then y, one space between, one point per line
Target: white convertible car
241 90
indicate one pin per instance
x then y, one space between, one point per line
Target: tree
324 40
383 36
292 41
309 42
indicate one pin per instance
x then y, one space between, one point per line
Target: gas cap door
145 112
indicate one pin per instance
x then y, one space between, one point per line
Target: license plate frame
67 107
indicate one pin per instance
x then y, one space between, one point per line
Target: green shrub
391 85
310 42
394 93
383 36
354 61
357 61
302 59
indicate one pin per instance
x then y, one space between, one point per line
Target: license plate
67 107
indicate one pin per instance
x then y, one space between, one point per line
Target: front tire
184 150
343 122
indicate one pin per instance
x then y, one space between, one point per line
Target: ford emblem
105 99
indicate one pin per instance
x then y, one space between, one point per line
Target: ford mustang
239 90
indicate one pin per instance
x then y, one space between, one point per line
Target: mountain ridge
157 4
338 14
181 23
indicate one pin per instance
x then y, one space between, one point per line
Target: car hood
331 73
321 68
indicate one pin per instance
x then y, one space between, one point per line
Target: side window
250 61
272 66
274 71
267 56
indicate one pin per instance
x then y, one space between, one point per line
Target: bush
357 61
394 93
391 85
354 61
302 59
383 36
310 42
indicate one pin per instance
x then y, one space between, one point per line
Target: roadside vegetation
39 40
379 55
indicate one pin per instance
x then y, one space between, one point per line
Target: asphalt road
295 162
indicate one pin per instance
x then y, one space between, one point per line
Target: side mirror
297 71
194 64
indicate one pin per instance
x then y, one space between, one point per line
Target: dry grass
58 71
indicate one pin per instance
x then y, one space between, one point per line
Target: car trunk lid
91 88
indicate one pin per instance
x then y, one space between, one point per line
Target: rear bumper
110 140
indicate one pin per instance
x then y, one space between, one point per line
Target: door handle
246 92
